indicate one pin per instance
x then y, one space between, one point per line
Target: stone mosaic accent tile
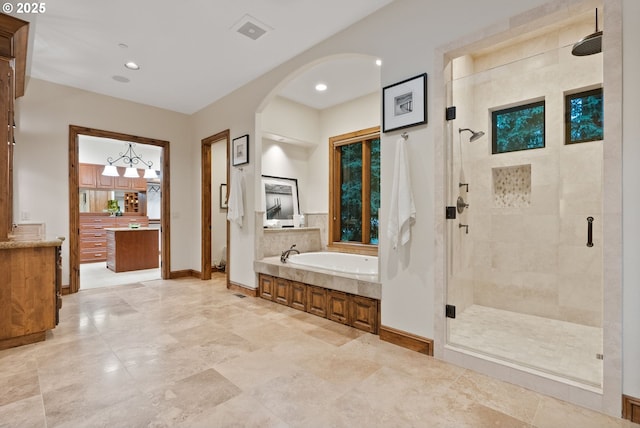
512 186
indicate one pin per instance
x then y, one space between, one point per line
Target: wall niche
512 186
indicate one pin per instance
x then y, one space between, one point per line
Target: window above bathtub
354 191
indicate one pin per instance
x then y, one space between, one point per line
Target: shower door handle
589 231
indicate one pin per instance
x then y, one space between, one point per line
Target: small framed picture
404 103
223 196
240 148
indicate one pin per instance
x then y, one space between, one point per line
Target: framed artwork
223 196
279 200
240 150
404 103
583 114
518 128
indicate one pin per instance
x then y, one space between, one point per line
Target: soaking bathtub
337 262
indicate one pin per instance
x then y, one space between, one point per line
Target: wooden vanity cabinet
30 294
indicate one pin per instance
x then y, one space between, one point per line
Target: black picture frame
223 196
240 150
404 104
279 200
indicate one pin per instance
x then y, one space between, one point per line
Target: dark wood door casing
74 198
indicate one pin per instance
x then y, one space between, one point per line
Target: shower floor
557 347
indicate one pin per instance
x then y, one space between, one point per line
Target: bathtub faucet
285 254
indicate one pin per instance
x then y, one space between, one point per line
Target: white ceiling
189 51
346 78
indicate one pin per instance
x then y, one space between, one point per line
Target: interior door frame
205 272
74 199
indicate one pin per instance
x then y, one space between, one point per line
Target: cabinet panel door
103 181
86 175
317 301
338 306
266 287
364 314
281 292
298 296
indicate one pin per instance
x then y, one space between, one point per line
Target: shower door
524 252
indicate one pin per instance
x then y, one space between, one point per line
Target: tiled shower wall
526 247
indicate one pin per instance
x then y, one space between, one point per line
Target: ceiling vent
251 27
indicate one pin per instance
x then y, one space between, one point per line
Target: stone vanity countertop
361 285
7 245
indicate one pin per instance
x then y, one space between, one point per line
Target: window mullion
366 191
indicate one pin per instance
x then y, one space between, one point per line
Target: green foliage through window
584 117
518 128
359 188
351 192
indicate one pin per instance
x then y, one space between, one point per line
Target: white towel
403 212
235 206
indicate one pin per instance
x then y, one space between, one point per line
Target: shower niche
512 186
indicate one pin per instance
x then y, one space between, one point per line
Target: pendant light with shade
131 158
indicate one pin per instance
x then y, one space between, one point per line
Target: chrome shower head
474 135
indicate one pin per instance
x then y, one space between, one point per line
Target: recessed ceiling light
378 62
320 87
121 79
132 65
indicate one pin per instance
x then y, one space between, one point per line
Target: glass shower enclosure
524 252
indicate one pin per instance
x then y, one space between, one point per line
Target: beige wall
44 114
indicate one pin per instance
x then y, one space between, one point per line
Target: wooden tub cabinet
356 311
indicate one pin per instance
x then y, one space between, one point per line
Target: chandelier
131 158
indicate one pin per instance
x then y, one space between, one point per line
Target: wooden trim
74 202
407 340
18 30
185 273
251 292
206 198
363 136
631 408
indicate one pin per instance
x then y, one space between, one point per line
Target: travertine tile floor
191 353
96 275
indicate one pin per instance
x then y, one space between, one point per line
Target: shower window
355 190
583 113
518 128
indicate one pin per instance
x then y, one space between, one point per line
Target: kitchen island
131 249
